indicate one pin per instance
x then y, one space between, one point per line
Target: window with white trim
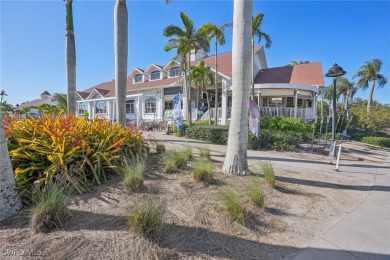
155 75
100 107
290 102
138 78
130 106
150 106
83 106
174 72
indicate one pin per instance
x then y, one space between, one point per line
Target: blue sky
33 38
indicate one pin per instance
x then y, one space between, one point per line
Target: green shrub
217 134
175 161
269 173
203 172
202 122
285 124
50 207
256 195
147 218
235 206
205 153
379 141
134 176
160 148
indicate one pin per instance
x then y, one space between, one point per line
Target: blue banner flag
176 113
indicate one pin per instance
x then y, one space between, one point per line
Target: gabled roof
46 93
136 71
83 94
306 74
224 62
150 69
175 62
107 87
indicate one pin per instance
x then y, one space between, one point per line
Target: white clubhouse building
288 91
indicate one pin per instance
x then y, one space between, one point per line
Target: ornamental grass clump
203 172
147 218
188 153
269 173
205 153
160 148
175 161
256 195
235 206
134 176
50 207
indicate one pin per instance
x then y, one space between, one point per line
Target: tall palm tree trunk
70 59
236 156
189 112
9 199
253 69
121 52
370 95
216 83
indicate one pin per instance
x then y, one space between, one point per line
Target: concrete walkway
362 234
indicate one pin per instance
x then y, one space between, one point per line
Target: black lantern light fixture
334 72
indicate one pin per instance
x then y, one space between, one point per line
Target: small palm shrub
160 148
50 207
256 195
205 153
134 176
235 206
269 173
147 218
203 172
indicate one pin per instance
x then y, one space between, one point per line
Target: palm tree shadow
197 241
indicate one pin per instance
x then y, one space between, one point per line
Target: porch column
314 106
93 109
138 110
224 106
162 104
108 110
296 104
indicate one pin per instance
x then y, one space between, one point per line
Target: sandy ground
304 204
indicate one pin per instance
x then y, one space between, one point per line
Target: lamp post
334 72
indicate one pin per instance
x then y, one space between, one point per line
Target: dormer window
155 75
138 78
174 72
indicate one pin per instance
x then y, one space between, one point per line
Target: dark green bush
202 122
379 141
285 124
217 134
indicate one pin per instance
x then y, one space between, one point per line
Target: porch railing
302 113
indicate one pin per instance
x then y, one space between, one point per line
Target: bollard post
338 158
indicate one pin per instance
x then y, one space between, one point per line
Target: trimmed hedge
379 141
217 134
285 124
269 139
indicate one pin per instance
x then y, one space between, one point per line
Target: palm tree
121 52
70 58
9 199
236 161
217 32
187 39
370 72
344 87
202 76
2 94
294 62
257 21
61 101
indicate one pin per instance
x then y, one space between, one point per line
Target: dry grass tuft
269 173
134 176
203 172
